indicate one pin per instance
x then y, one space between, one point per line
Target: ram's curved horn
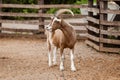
62 11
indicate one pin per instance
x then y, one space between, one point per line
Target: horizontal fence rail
39 15
41 6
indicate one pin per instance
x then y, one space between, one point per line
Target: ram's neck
67 30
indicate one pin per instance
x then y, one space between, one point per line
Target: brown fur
64 35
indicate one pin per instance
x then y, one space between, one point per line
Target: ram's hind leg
72 60
61 60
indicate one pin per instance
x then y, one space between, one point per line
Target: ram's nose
48 28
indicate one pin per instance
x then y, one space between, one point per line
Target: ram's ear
58 20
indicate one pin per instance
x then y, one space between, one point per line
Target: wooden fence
41 18
99 35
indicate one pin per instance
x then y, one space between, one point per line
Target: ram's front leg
72 60
49 54
61 60
54 55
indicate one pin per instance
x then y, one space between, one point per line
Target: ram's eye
57 22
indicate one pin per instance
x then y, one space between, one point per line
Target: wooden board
42 6
20 30
112 23
93 20
36 15
36 22
114 33
91 28
112 50
40 36
110 11
96 10
93 38
93 45
110 41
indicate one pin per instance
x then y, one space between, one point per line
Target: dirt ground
25 59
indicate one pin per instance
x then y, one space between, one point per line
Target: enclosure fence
100 36
40 18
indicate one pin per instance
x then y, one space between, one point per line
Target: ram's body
65 36
60 34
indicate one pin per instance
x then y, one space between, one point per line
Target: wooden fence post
0 16
103 5
41 19
90 4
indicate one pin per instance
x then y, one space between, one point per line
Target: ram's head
55 22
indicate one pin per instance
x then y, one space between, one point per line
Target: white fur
62 62
54 56
72 61
49 26
49 59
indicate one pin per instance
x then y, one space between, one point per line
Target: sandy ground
25 59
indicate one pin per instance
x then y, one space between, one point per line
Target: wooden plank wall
99 36
40 17
0 13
